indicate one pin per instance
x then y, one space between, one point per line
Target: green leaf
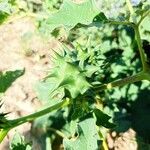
5 6
90 69
3 17
99 19
5 9
46 91
78 112
18 143
103 119
7 78
87 138
71 14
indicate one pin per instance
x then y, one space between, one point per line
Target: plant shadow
137 117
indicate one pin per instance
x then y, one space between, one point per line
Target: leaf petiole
135 78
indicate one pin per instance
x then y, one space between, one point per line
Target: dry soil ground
22 47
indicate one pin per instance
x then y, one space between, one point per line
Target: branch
140 47
57 132
3 133
143 17
28 118
130 6
19 121
121 23
135 78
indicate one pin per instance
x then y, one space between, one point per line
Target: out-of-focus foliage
18 143
5 9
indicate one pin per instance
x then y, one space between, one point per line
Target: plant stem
140 47
104 143
137 37
3 133
132 13
130 6
145 74
121 23
138 77
57 132
145 66
19 121
28 118
143 17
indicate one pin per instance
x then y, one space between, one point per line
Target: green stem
135 78
138 39
132 13
130 6
57 132
19 121
3 133
121 23
28 118
140 47
143 17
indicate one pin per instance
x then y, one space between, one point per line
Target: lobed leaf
71 14
18 143
87 138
